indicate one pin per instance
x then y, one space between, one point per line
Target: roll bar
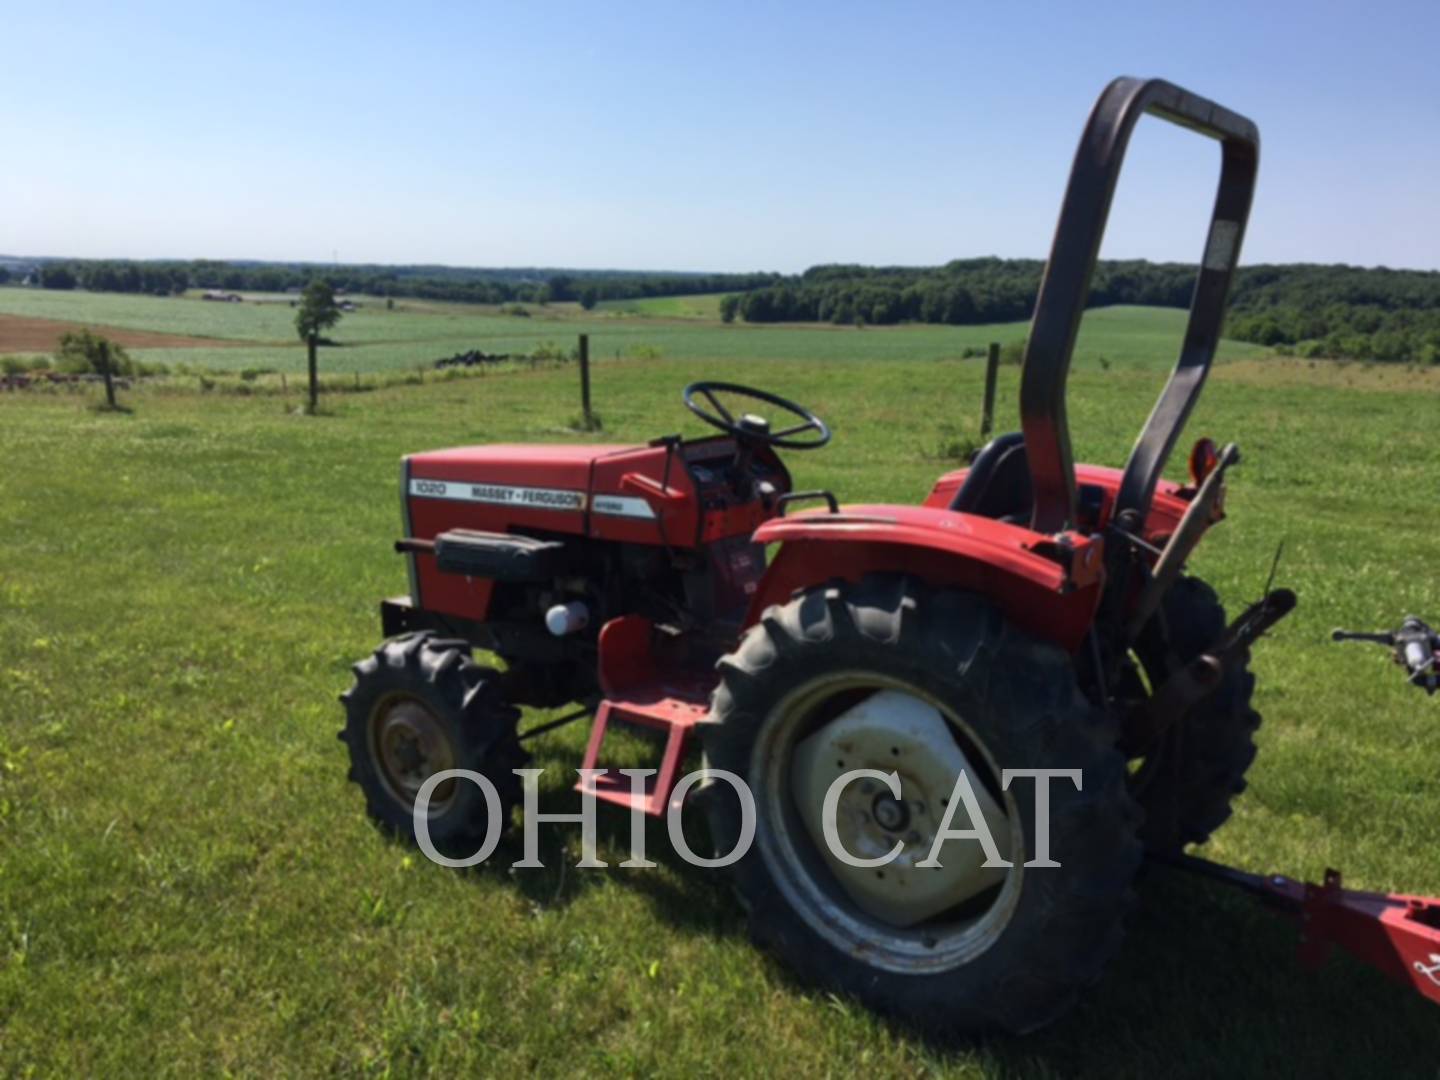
1066 286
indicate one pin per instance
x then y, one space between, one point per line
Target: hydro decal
622 506
536 498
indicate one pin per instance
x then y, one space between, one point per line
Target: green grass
417 333
188 884
697 306
170 314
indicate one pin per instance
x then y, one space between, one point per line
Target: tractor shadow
1206 982
689 897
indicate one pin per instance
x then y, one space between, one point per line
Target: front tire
1012 952
421 705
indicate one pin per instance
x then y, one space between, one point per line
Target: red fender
1047 585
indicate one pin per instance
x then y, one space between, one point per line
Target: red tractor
1030 614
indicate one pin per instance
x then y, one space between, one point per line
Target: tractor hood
602 490
524 467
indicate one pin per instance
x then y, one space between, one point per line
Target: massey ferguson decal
537 498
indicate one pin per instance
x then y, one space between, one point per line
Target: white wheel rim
900 917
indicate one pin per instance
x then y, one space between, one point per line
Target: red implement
1396 934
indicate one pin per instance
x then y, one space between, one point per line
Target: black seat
998 484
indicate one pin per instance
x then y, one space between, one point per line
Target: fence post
585 380
314 405
992 368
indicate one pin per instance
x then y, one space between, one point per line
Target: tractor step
671 710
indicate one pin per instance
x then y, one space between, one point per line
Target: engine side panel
492 489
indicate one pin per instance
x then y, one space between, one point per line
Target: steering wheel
755 429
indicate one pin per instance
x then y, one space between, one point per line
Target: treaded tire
1020 696
480 726
1217 735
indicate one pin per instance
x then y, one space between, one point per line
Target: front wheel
927 686
420 705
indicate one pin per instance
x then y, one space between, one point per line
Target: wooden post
314 375
109 375
585 380
992 368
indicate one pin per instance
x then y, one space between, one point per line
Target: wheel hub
409 745
890 813
408 754
894 732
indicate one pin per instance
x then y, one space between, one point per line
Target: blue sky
690 136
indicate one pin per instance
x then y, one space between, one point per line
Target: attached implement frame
1394 933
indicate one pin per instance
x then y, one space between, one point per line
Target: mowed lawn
416 333
188 884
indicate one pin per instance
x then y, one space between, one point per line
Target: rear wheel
421 705
1213 745
890 676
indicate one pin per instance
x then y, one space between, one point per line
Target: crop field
188 884
698 306
416 333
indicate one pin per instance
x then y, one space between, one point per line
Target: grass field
375 339
188 885
698 306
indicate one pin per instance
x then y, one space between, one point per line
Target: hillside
259 334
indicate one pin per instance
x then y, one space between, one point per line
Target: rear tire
1021 962
420 705
1215 738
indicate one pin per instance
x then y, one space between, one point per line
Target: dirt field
22 334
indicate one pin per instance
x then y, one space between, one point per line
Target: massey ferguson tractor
1031 614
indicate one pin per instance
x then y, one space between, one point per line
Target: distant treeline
476 285
1335 311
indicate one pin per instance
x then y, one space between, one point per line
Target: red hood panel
533 464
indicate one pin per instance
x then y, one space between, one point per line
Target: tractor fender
1047 585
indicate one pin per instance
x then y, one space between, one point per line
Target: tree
561 286
56 277
318 311
4 275
80 350
589 297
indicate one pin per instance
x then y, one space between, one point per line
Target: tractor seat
998 483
